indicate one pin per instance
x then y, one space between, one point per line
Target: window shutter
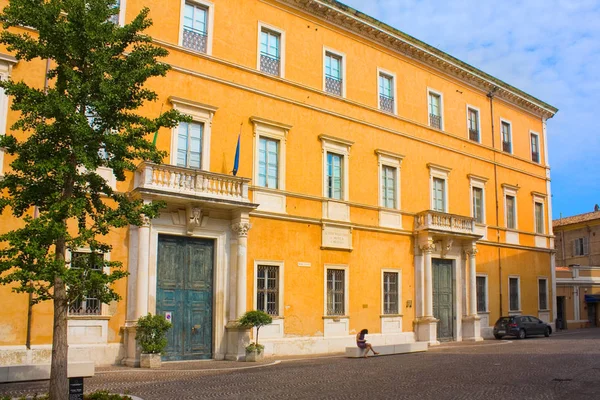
574 248
585 246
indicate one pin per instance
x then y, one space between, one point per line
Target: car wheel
522 334
547 332
498 337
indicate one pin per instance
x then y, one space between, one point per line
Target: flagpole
236 160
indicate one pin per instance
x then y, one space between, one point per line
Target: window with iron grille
267 287
481 284
270 52
473 124
333 74
336 292
478 204
513 289
535 148
539 217
195 27
386 92
268 163
435 110
189 145
543 293
506 138
335 176
86 304
388 186
510 212
390 293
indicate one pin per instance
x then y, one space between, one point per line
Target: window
196 22
334 176
535 148
390 293
473 123
510 212
336 292
268 163
435 109
334 73
514 294
481 283
439 195
87 303
267 287
388 186
478 204
189 145
386 93
543 293
270 51
539 217
506 137
580 247
118 18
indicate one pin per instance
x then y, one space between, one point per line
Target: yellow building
383 184
578 270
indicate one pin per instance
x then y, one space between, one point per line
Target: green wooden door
443 298
185 289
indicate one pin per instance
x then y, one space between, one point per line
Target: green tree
255 319
85 118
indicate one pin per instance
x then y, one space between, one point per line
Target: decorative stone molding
194 218
241 228
145 221
369 28
471 251
446 246
428 247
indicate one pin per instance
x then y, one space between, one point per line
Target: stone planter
253 356
150 361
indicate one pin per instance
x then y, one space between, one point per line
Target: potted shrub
255 319
151 331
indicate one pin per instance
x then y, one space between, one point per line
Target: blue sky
548 48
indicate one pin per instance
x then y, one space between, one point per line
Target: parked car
521 326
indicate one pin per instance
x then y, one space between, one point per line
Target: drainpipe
490 95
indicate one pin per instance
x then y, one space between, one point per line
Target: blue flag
236 161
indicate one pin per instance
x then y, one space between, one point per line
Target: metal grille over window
267 284
195 28
435 111
333 74
333 85
335 292
86 305
386 103
506 139
514 294
543 295
269 52
481 287
269 64
473 125
390 293
435 121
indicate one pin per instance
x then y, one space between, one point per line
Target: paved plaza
564 366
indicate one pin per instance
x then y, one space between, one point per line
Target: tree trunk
59 383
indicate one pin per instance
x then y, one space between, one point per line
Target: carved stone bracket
471 251
428 247
241 228
145 221
194 218
446 246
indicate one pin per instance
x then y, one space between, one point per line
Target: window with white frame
267 289
388 186
580 246
334 73
268 162
87 303
539 216
543 293
190 143
119 17
391 293
435 109
387 101
6 64
336 152
196 25
473 123
535 147
478 210
271 50
514 293
336 291
506 130
439 187
511 206
482 300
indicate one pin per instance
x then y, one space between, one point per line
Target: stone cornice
358 23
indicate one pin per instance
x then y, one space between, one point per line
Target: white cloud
548 48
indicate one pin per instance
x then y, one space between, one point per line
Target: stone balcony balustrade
187 181
444 222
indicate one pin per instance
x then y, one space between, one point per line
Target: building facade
382 184
578 270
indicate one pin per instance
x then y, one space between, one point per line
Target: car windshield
504 320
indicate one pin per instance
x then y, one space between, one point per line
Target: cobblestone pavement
564 366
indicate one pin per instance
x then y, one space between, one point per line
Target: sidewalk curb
138 370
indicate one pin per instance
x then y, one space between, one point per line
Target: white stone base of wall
487 332
100 354
304 345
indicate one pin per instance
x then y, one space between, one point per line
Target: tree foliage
255 319
150 333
